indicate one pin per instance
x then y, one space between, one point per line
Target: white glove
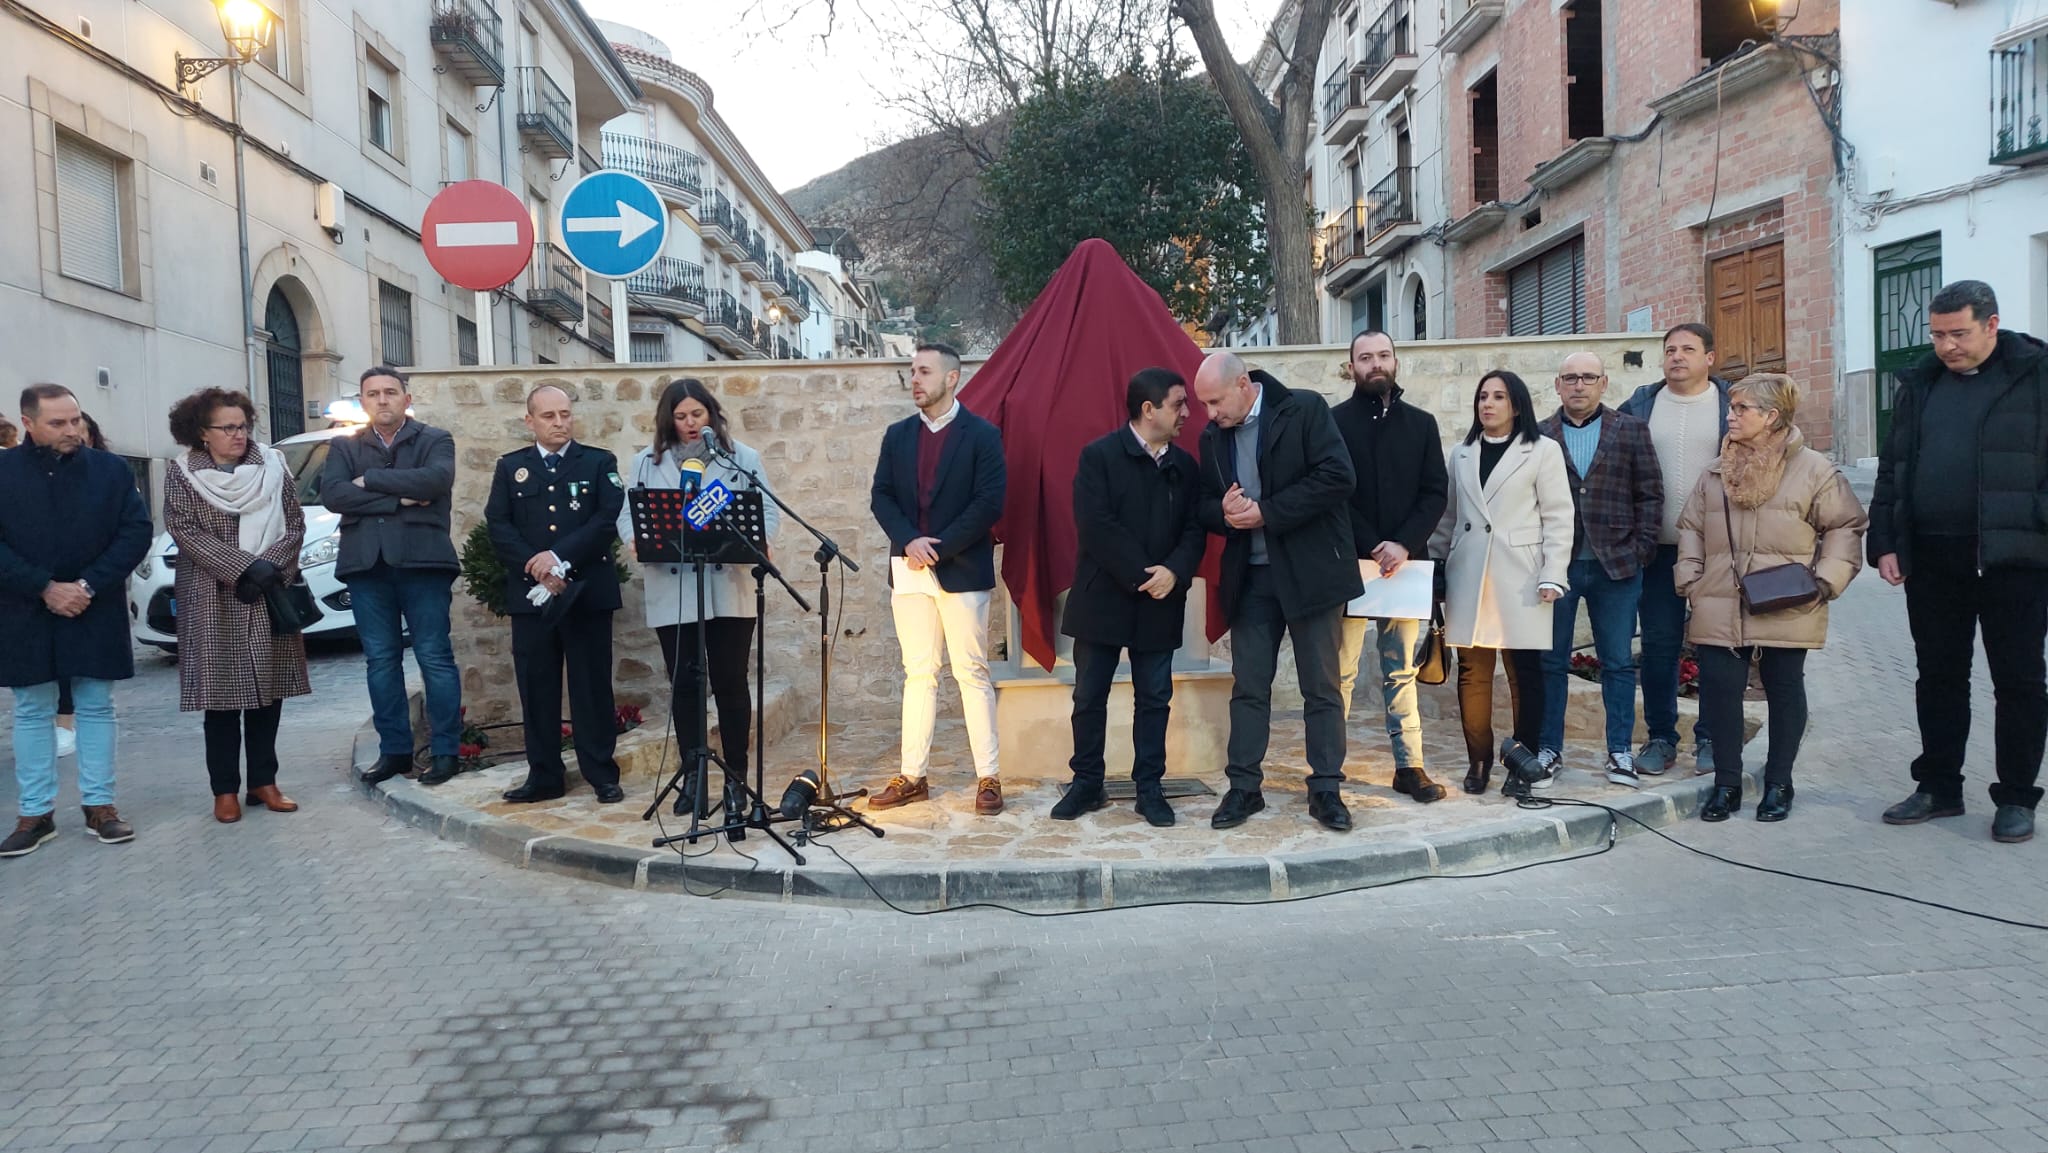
539 594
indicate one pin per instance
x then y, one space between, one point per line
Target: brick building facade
1624 166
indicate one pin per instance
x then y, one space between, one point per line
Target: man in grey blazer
393 481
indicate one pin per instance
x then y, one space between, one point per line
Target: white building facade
1947 108
726 286
124 278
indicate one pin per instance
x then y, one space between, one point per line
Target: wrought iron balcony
667 167
785 351
718 224
673 283
724 326
1344 239
470 39
557 290
2019 102
753 254
1343 108
599 326
1388 62
544 119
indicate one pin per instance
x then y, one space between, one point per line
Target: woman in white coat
685 413
1506 537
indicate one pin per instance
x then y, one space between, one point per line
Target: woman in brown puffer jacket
1769 500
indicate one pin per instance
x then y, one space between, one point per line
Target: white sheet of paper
1403 596
907 581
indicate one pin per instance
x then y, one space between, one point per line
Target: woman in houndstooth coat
233 509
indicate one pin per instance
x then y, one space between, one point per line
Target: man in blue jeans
392 482
71 528
1618 503
1687 412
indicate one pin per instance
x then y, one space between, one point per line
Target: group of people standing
1663 516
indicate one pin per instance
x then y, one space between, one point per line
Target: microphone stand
827 812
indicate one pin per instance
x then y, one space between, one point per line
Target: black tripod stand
826 811
731 533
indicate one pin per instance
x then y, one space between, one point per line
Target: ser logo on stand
705 508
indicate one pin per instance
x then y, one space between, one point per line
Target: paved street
330 980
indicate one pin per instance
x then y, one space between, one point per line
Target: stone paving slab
940 854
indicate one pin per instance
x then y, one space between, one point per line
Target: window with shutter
1524 295
89 214
650 347
383 85
1547 292
465 341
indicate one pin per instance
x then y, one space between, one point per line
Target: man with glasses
1687 412
1618 502
393 482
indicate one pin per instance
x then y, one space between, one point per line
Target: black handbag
292 608
1774 589
1432 663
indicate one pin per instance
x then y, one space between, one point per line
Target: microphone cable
1614 819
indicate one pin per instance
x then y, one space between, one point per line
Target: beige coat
1502 542
1814 518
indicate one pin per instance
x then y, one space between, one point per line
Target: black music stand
663 532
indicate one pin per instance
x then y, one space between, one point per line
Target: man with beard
1402 488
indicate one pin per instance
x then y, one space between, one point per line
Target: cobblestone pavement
331 980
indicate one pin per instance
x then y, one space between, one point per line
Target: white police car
152 594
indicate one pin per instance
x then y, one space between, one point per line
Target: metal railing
472 36
1341 92
784 350
2019 102
1390 202
653 160
1344 238
717 214
671 277
1393 34
544 110
599 328
724 312
557 290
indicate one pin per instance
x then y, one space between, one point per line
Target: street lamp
1774 16
246 25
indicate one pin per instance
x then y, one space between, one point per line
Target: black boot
444 770
1417 784
387 767
1722 802
1776 803
1081 797
1476 779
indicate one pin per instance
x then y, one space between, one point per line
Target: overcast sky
801 104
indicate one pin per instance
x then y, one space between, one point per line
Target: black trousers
228 732
64 706
728 642
582 644
1475 699
1151 708
1724 674
1255 634
1946 600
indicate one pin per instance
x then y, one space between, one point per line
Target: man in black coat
1398 455
72 527
1960 517
1134 516
1277 484
938 491
553 513
393 482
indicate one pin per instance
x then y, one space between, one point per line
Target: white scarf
251 492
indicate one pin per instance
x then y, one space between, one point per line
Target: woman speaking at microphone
692 449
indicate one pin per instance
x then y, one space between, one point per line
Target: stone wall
818 425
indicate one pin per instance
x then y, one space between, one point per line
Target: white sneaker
1553 764
67 742
1621 769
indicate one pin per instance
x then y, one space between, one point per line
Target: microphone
693 476
799 795
710 441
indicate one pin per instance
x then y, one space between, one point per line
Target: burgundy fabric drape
1056 383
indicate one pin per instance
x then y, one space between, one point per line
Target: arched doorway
282 354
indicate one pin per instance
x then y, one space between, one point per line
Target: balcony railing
544 118
1391 36
2019 102
652 160
599 329
1336 98
471 38
716 218
557 291
753 256
723 323
678 281
1344 239
1390 202
784 350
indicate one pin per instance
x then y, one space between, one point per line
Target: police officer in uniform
552 505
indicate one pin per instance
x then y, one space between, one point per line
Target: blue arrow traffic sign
613 224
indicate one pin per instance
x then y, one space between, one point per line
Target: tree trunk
1277 139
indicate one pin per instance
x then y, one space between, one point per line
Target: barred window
394 323
465 341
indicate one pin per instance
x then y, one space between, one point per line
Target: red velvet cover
1056 383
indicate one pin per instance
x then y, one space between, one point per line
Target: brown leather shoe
988 797
226 809
271 799
106 824
901 790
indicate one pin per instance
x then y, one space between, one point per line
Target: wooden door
1748 293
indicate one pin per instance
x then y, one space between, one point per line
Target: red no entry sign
477 235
